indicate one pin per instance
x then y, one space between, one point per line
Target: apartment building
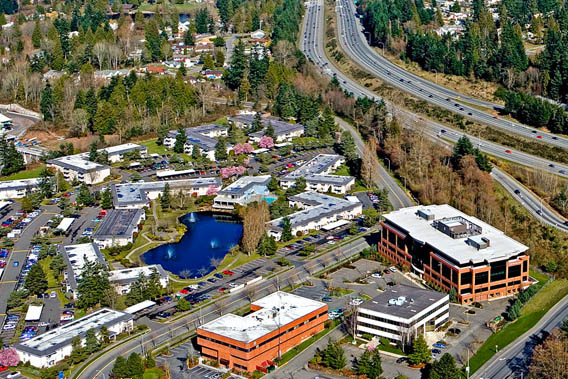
204 137
118 227
283 131
17 189
450 249
122 280
244 190
318 174
77 167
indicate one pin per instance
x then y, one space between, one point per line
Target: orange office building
450 249
279 322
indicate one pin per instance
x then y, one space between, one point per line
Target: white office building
318 174
17 189
76 256
123 279
53 346
138 195
402 312
204 137
116 153
244 190
316 211
283 131
77 167
118 227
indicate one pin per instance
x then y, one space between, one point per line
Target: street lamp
383 45
389 163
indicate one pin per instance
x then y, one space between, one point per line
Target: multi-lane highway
353 42
312 45
512 362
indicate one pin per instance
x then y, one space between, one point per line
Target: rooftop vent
399 301
426 214
479 242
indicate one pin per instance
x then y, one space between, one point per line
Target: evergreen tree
162 134
267 245
273 184
77 350
93 286
286 230
235 74
93 151
195 152
420 351
269 132
153 40
364 363
165 200
445 368
36 35
202 21
106 199
376 368
47 105
334 356
181 138
347 146
45 184
27 205
135 365
92 343
188 39
85 197
220 149
120 369
36 281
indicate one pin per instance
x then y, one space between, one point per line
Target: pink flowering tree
243 148
227 172
211 190
9 357
266 142
371 346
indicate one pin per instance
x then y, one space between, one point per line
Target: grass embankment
531 313
181 8
27 174
154 148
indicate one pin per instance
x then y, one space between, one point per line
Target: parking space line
8 281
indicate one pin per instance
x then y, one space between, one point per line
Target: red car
2 264
495 117
227 272
387 272
290 165
3 368
508 151
102 213
184 291
539 137
67 194
222 289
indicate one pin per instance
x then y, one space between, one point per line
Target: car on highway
551 165
508 151
562 171
202 284
3 368
223 289
13 374
540 137
517 192
327 299
53 294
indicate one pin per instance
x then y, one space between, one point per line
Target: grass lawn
51 280
27 174
181 8
153 147
153 373
530 315
304 345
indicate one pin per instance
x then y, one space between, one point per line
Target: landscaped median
551 293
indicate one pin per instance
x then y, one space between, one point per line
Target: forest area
488 49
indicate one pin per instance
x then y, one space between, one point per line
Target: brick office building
453 250
279 322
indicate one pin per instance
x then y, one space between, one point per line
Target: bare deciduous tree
369 162
550 360
255 216
215 262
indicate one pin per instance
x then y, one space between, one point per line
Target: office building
283 131
244 190
318 174
205 137
450 249
76 256
17 189
55 345
119 227
138 195
77 167
280 321
402 312
116 153
123 279
316 211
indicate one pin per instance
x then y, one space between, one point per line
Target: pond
208 236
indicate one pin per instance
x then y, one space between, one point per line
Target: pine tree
92 343
181 138
36 281
120 370
93 286
36 35
273 184
85 197
162 134
135 365
420 351
364 363
269 132
106 199
165 200
347 146
239 63
47 105
286 230
153 40
334 356
220 149
195 152
445 368
188 39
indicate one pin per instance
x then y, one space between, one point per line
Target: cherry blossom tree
9 357
266 142
211 190
241 148
227 172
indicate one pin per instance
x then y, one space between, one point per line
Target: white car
53 294
332 242
15 374
392 269
233 285
9 327
377 275
356 301
43 323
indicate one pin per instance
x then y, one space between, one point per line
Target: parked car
219 276
439 345
377 275
228 272
327 299
356 301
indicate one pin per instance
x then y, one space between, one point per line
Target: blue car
439 345
16 263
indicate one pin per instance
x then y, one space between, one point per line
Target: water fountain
214 244
170 252
192 217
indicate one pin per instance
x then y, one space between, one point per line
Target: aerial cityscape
283 189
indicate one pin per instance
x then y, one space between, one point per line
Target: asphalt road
101 367
311 44
353 42
512 361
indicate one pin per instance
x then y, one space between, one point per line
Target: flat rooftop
320 206
77 255
19 184
279 308
119 223
131 274
415 301
51 341
243 184
77 163
500 246
126 147
135 193
198 136
315 170
280 127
